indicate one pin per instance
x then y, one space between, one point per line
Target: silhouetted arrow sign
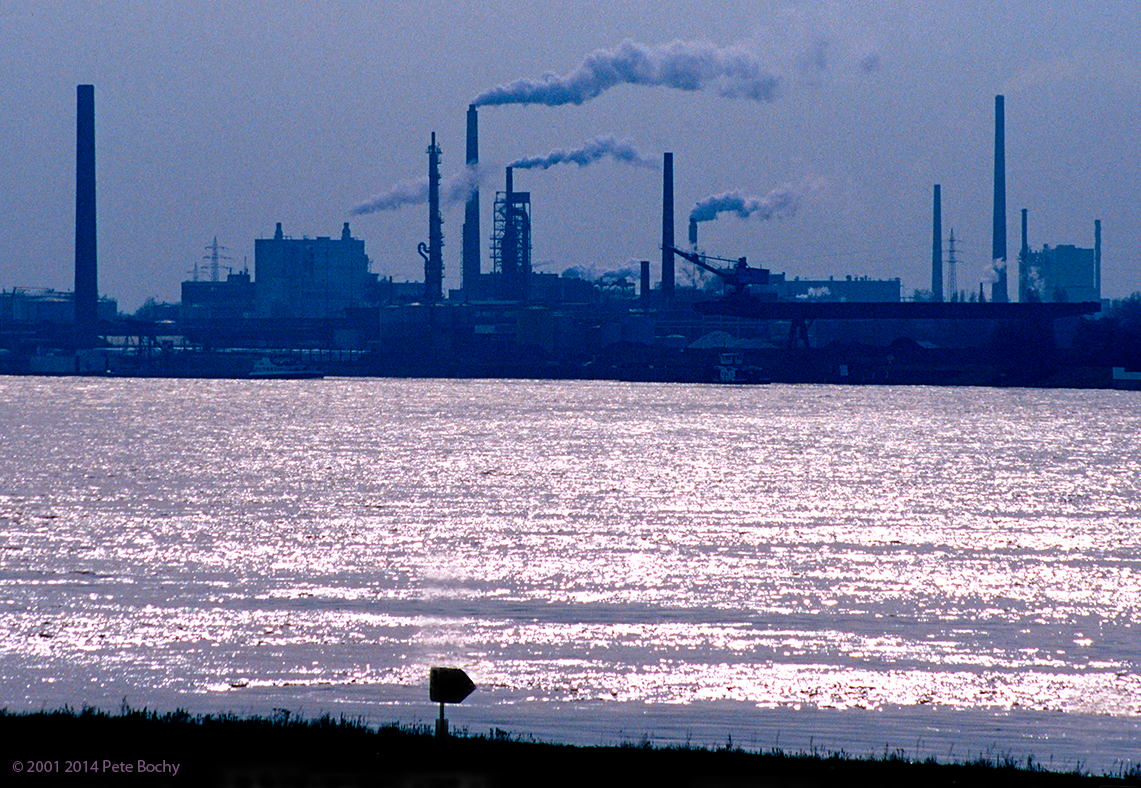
448 685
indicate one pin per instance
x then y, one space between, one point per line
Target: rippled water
949 572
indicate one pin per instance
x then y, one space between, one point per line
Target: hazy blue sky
222 118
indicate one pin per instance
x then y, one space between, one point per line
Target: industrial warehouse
312 307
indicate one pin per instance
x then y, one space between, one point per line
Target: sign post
447 685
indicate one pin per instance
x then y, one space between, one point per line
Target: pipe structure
667 226
434 262
471 262
937 247
999 292
86 257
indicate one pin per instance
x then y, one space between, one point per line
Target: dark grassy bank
93 748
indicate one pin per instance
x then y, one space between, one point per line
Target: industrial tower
434 253
86 277
511 241
470 250
998 289
937 246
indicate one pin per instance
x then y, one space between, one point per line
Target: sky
219 119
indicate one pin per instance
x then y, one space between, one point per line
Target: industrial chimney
1026 237
999 293
434 261
86 287
667 226
471 262
1097 257
937 247
1024 262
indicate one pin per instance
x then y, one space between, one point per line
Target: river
941 572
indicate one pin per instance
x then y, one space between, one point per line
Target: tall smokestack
86 279
1024 262
434 262
1097 257
998 291
471 261
693 232
667 226
645 280
937 247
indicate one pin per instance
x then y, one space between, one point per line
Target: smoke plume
683 65
783 200
611 277
992 273
1035 286
598 148
453 190
594 274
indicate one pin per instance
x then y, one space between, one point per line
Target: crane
739 277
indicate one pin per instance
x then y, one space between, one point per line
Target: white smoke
598 148
619 275
815 294
1035 284
593 273
462 185
453 190
991 273
784 200
683 65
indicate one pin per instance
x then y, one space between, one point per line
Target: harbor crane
739 277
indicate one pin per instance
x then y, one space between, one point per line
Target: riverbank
140 748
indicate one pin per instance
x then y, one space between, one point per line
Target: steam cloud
1035 283
782 200
593 274
619 275
682 65
453 190
600 147
993 272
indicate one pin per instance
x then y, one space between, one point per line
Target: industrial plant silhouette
312 304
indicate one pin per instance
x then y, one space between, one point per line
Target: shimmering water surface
947 572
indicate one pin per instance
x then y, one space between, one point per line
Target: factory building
56 307
232 298
1060 274
311 277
